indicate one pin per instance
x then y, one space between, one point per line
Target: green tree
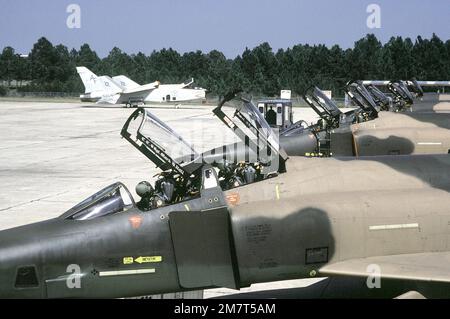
431 58
218 73
43 58
140 67
117 63
88 58
261 69
365 60
165 66
194 65
10 65
397 59
257 70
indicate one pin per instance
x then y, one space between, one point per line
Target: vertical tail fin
89 79
94 83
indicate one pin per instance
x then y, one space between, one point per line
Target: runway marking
394 226
126 272
429 143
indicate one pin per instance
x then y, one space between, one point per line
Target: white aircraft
122 90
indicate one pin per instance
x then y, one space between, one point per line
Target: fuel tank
281 228
295 145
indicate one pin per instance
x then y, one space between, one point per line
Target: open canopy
321 104
159 143
400 89
362 98
249 124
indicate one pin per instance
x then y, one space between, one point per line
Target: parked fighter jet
299 218
361 132
421 103
122 90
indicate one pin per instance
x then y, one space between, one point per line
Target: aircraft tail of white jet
88 78
94 83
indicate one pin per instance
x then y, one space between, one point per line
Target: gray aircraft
352 220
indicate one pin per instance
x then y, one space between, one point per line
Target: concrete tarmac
53 155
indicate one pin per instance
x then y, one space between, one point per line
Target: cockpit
414 86
402 96
181 176
111 200
251 127
381 99
363 99
330 115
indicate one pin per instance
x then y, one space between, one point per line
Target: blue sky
227 25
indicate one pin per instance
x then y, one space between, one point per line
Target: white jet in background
122 90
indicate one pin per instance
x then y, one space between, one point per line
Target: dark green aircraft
365 223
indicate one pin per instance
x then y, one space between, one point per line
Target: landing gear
134 103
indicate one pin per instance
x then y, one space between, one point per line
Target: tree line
51 68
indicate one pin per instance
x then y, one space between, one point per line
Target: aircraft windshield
111 200
159 142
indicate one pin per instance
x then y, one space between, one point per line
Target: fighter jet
385 218
364 131
122 90
422 103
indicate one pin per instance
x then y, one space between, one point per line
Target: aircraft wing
109 99
423 267
142 88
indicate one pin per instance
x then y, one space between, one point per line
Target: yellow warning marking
187 207
277 191
128 260
148 259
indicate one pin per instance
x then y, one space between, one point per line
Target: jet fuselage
322 211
